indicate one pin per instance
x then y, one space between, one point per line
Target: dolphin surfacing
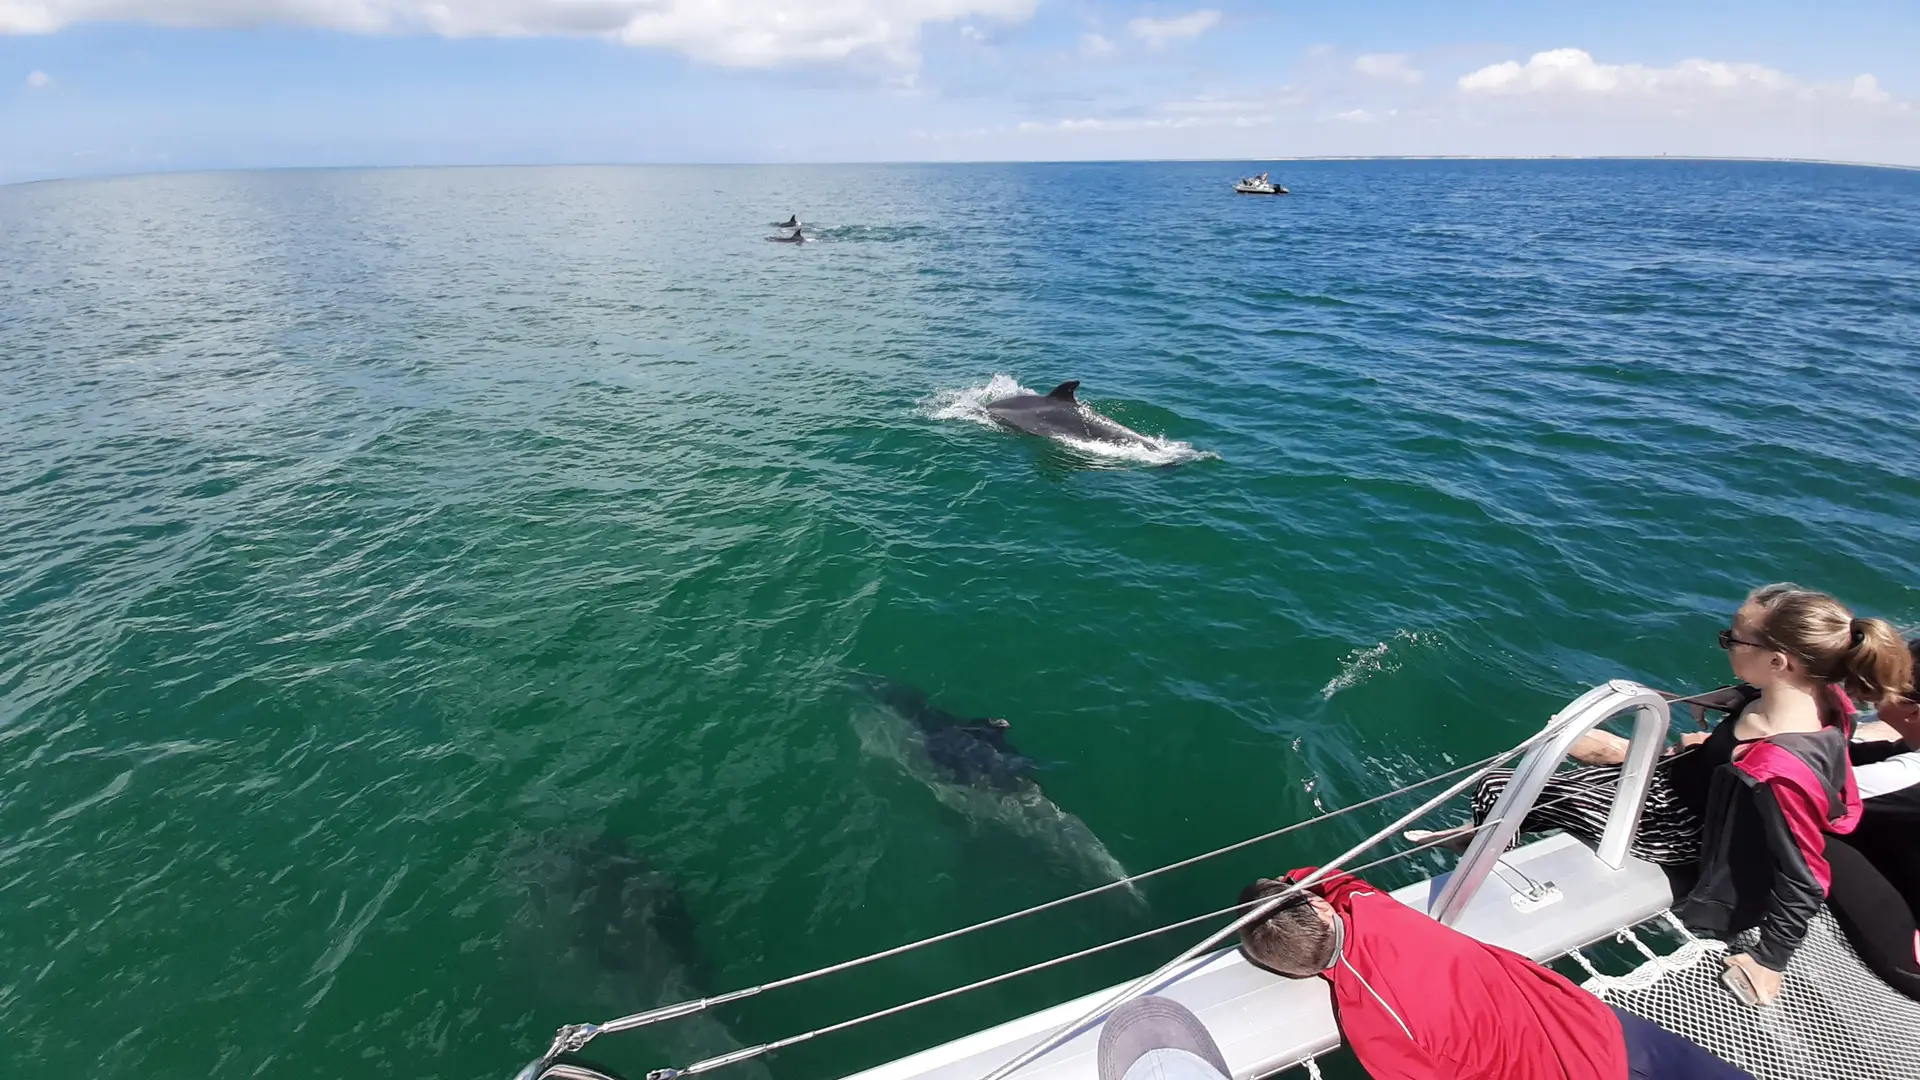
1057 414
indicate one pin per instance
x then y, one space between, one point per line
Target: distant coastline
971 161
1602 157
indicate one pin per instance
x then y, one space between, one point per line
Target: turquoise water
389 558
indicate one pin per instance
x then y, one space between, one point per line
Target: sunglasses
1728 641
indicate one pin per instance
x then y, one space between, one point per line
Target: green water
373 545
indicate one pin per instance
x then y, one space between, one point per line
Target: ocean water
434 605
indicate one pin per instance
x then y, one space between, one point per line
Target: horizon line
1723 158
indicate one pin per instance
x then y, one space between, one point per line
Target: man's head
1296 939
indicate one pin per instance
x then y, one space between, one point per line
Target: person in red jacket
1420 1001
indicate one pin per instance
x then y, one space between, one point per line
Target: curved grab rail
1582 715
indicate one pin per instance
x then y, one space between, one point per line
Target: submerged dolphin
1058 414
792 222
970 752
604 929
974 770
627 915
798 237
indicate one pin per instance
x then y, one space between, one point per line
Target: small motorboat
1258 185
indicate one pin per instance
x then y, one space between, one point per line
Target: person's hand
1699 712
1765 980
1694 738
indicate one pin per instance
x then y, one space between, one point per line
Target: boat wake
969 404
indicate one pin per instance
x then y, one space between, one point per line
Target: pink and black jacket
1763 849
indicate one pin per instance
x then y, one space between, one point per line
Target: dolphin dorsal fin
1064 392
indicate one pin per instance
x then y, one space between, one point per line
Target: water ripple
374 545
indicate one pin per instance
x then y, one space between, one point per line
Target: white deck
1265 1023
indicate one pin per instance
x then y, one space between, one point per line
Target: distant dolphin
1058 414
798 237
792 222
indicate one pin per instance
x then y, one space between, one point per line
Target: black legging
1875 918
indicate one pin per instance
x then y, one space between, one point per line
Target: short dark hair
1291 940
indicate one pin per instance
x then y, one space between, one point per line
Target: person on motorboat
1744 813
1418 1000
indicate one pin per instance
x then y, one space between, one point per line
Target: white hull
1265 1023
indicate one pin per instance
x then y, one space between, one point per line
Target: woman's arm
1598 747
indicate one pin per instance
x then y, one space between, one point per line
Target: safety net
1834 1019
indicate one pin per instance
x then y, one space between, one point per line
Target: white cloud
1575 73
1867 88
734 33
39 80
1095 45
1157 32
1555 104
1389 67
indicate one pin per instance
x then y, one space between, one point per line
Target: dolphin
1058 414
603 929
798 237
628 915
792 222
973 769
969 752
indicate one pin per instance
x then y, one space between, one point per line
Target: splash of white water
1363 664
969 403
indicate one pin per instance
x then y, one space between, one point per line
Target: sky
92 87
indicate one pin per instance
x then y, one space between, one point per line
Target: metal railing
1582 715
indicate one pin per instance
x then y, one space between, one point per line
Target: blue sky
111 86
